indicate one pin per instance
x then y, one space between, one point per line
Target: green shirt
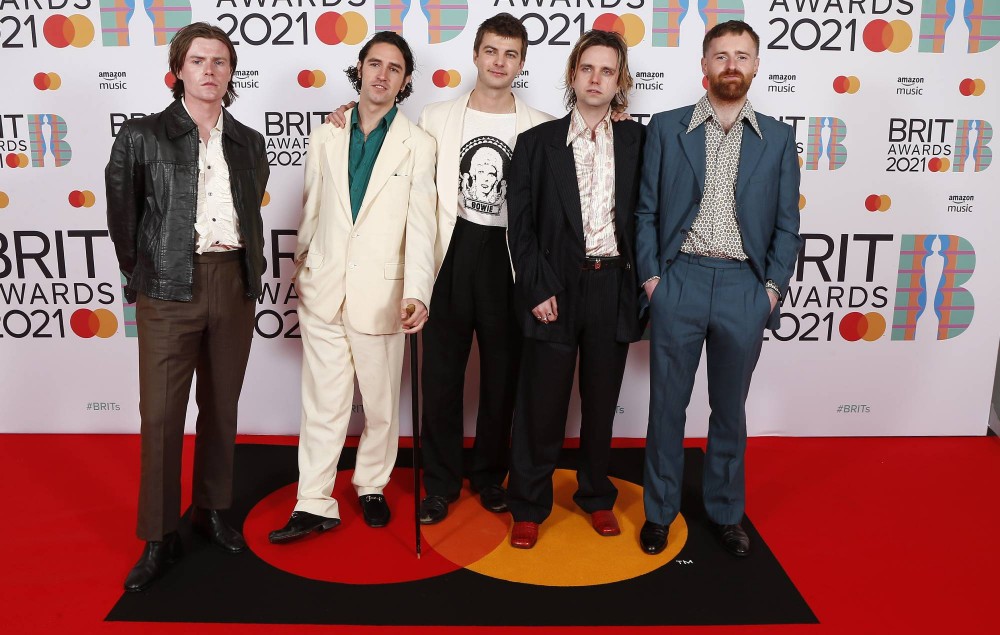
362 155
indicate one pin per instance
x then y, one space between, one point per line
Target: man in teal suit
717 237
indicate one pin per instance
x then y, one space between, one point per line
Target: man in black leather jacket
184 189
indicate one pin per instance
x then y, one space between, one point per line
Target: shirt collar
703 111
578 127
385 122
218 124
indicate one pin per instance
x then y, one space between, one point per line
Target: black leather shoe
734 539
374 509
209 523
434 509
156 558
653 537
493 498
299 525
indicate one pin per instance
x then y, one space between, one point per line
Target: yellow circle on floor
570 553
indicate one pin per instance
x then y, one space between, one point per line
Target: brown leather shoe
524 535
605 523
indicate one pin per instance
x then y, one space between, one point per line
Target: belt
596 263
213 257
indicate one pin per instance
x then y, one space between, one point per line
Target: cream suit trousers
332 354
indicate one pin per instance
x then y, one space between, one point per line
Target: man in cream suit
365 273
473 291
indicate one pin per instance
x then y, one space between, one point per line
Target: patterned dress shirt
594 156
715 231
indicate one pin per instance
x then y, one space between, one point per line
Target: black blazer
545 229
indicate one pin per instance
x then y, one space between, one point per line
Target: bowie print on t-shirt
482 168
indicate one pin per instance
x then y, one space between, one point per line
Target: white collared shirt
216 224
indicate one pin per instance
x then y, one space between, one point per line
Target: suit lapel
751 149
392 153
563 168
693 144
626 164
336 156
522 116
448 151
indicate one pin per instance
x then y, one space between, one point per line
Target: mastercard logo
862 326
878 203
170 79
311 79
628 25
335 28
100 322
16 160
894 36
81 198
802 202
972 87
266 200
846 84
4 200
47 81
939 164
446 79
61 31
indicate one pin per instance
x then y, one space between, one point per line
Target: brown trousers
211 334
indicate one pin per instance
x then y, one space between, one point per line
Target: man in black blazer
573 192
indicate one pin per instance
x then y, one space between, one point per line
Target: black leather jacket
152 192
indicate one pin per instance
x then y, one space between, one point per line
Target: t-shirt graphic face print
483 165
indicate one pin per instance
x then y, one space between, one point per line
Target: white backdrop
892 103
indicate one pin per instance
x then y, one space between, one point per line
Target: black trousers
473 294
543 400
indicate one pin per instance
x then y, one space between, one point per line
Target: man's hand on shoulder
337 117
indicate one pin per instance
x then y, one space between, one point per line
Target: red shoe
524 535
605 523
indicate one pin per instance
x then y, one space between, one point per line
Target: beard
724 88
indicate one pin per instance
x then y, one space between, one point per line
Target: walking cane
410 308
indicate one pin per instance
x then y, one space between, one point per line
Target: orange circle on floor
570 553
354 553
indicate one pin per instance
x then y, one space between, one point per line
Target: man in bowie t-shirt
473 290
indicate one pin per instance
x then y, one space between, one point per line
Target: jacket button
669 261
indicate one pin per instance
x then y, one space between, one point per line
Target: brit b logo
168 17
826 137
668 15
445 19
932 270
982 18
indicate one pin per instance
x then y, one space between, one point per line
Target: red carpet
878 535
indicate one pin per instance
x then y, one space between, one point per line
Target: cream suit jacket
367 266
445 121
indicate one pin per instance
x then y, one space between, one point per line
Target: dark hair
179 46
731 27
386 37
504 25
613 41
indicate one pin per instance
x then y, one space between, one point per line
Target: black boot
155 560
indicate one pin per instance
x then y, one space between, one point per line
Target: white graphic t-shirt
487 142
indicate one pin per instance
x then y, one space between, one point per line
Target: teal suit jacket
767 196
